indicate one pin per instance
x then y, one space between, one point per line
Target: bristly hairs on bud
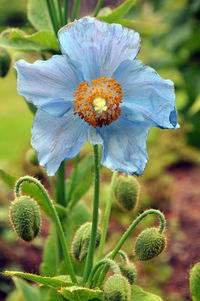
81 241
127 192
195 282
117 288
25 218
149 244
129 271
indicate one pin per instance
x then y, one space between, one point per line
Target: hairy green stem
60 16
128 232
66 11
90 256
98 7
60 185
111 263
73 180
52 14
55 219
107 216
76 9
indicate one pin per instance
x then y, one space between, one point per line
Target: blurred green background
170 32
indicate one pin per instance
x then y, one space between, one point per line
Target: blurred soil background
170 43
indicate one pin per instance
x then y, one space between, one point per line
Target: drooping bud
117 288
81 241
25 217
4 62
127 192
128 270
31 157
195 281
149 244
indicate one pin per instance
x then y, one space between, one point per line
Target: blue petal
98 46
145 91
124 143
50 84
56 139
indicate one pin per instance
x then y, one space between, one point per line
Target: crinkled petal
49 84
98 46
124 143
57 138
145 91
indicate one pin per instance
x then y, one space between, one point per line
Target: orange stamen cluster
107 89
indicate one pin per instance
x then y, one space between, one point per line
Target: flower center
98 103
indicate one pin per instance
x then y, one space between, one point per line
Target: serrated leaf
76 293
39 41
38 14
49 265
119 11
28 292
54 282
140 295
7 179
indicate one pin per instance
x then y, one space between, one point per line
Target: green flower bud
117 288
127 192
81 241
4 62
31 157
129 271
195 281
149 244
25 217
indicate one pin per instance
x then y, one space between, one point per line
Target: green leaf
38 14
29 292
54 296
54 282
49 265
118 12
76 293
39 41
140 295
81 189
7 179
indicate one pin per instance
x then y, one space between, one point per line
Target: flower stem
60 185
76 8
52 14
54 217
128 232
61 23
66 11
90 256
98 7
107 216
73 180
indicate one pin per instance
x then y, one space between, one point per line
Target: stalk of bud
149 244
25 217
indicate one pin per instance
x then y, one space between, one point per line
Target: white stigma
99 104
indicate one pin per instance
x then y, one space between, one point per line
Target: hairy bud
81 241
127 192
149 244
25 217
31 157
4 62
117 288
195 281
129 271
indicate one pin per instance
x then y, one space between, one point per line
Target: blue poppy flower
96 90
